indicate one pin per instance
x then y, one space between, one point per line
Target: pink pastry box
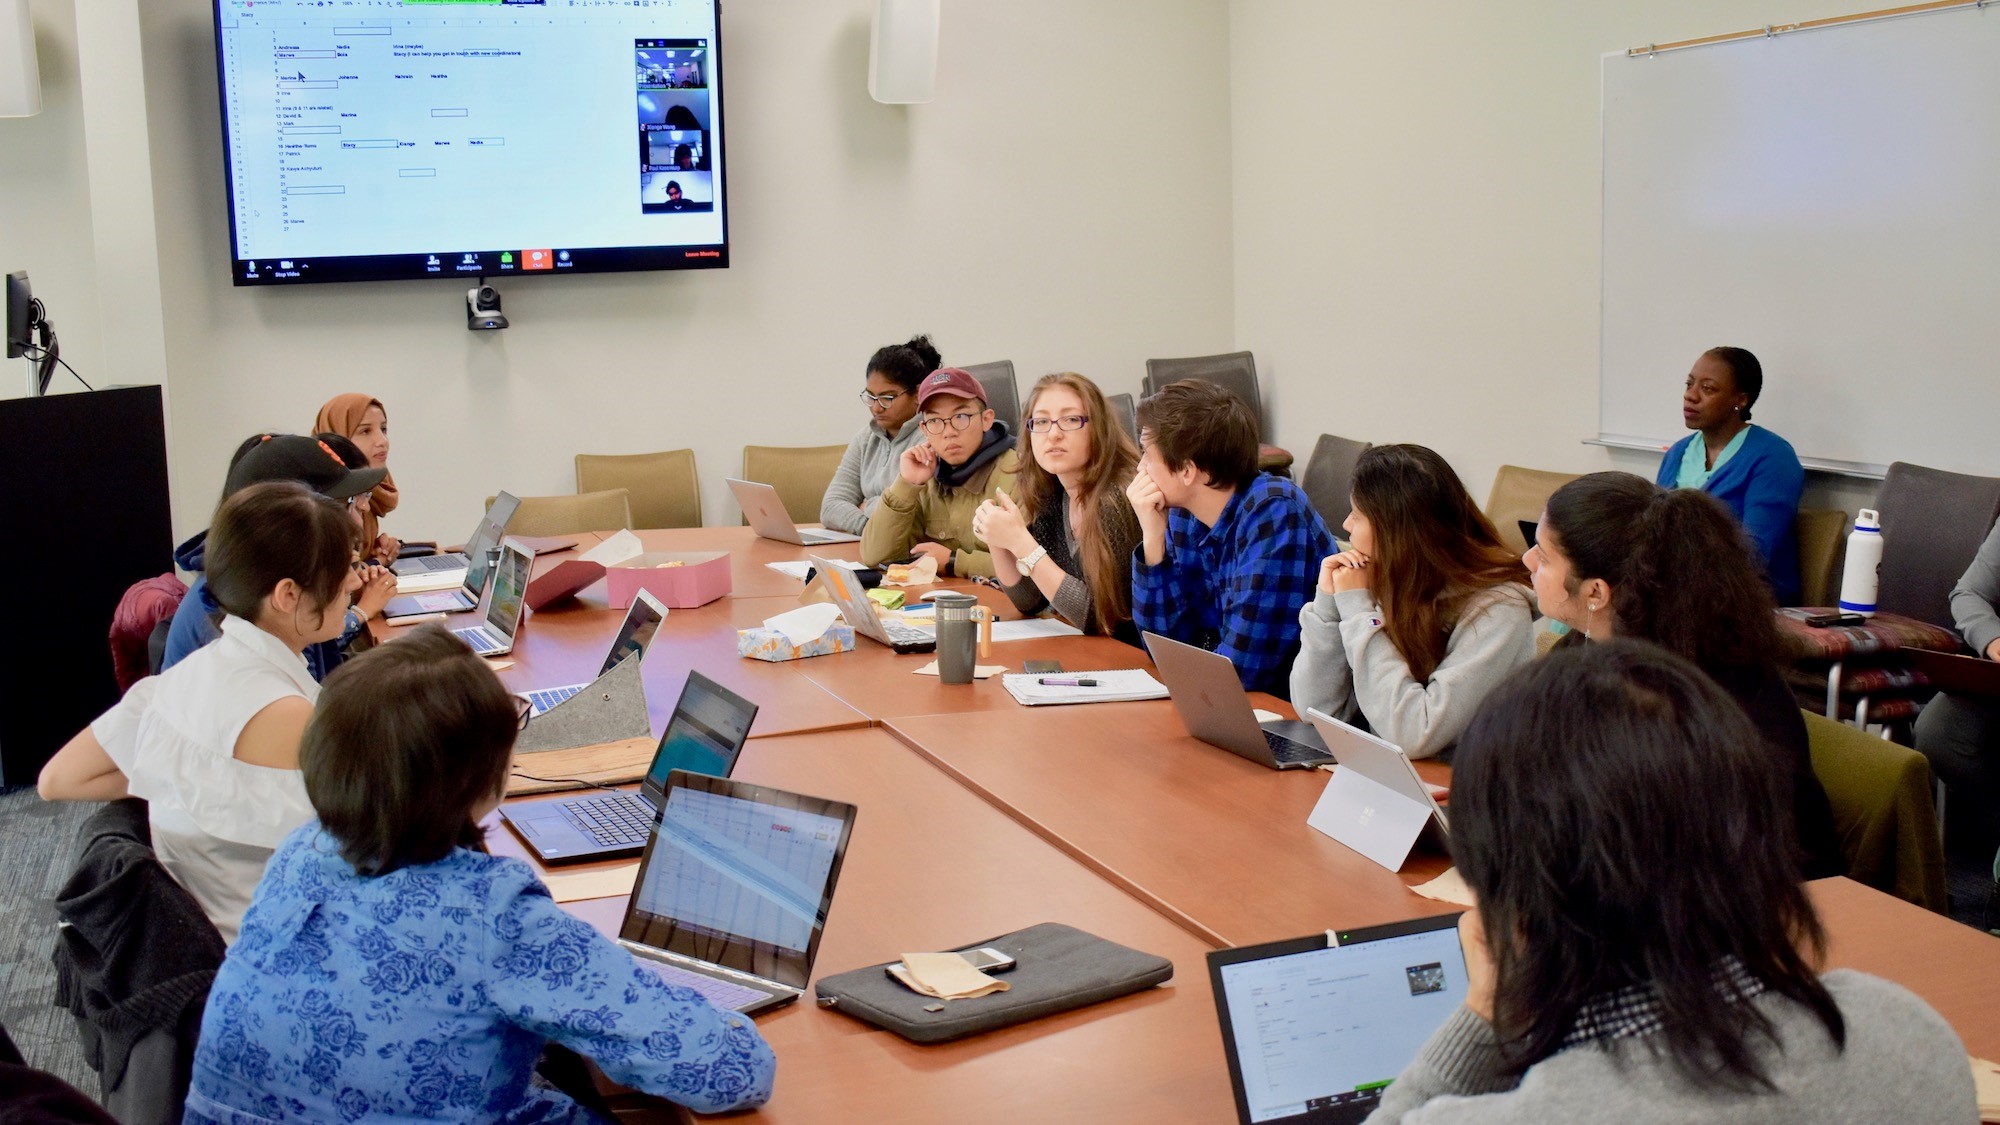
702 577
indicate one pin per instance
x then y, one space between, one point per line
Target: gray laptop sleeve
611 708
1058 968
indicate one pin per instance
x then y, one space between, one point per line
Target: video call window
675 161
667 192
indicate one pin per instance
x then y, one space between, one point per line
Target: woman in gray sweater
1643 949
1960 734
868 467
1424 612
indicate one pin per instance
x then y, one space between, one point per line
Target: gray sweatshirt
1347 666
1977 593
1902 1063
865 473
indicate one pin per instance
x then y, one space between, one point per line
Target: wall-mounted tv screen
382 139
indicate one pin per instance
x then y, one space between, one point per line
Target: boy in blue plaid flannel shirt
1227 554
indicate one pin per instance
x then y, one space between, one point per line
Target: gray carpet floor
37 847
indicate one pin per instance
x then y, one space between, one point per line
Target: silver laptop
1214 707
474 565
1380 761
852 598
484 536
1316 1028
505 601
733 892
767 515
642 620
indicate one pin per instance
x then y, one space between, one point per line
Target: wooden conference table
979 817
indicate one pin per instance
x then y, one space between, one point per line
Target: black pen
1065 681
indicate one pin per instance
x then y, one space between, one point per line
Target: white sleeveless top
215 820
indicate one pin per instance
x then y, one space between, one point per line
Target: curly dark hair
905 364
1683 573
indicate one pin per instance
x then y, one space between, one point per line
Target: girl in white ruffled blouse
213 742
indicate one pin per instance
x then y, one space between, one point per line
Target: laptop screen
485 537
1315 1032
740 876
510 583
641 622
706 732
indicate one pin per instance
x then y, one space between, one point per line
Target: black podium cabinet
83 502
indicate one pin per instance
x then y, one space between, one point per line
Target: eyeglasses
959 421
1068 423
524 710
881 400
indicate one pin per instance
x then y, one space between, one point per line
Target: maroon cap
950 381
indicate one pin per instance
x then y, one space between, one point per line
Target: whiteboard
1829 199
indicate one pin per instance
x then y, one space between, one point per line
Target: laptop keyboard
612 821
441 562
481 641
546 699
909 634
721 993
1287 750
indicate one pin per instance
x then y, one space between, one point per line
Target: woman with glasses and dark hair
1616 556
869 465
1066 536
391 970
212 743
1424 612
1752 471
1639 952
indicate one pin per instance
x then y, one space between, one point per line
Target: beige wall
1416 218
1041 209
45 222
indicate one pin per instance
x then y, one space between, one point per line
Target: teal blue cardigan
1760 486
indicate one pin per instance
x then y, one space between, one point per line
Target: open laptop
1316 1028
852 599
487 533
1214 707
705 734
505 601
732 895
473 565
642 620
767 515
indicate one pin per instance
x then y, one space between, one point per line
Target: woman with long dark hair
1424 612
868 467
1617 556
1637 955
1065 537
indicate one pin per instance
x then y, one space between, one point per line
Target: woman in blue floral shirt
388 968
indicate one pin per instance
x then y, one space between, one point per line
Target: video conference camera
482 309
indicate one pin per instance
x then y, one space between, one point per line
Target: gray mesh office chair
1001 396
1235 372
1329 478
1932 524
1127 412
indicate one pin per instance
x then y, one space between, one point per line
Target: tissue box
769 644
702 578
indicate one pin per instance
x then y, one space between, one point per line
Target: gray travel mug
957 635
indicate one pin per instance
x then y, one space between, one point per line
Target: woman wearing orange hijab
364 421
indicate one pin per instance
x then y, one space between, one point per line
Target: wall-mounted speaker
902 55
21 80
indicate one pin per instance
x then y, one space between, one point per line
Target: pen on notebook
1066 681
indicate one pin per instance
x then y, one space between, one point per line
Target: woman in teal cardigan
1750 469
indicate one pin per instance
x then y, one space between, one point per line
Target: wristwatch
1033 558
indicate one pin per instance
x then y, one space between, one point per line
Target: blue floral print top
427 994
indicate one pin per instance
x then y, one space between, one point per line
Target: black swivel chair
1001 396
1329 478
